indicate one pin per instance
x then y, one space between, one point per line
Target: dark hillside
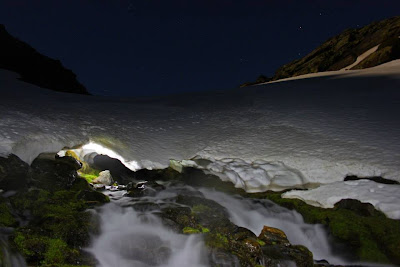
36 68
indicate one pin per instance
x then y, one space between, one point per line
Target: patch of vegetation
88 177
59 225
6 217
190 230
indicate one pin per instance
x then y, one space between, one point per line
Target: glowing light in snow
101 150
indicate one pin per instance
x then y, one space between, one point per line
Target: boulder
14 173
53 173
277 249
104 178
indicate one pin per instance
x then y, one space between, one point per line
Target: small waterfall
7 257
254 214
130 238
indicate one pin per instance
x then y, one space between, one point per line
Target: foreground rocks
50 214
49 211
364 232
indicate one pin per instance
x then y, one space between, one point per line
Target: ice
385 198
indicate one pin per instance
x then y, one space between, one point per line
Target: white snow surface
384 197
281 135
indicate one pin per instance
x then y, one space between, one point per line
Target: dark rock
277 248
360 208
36 68
14 173
119 171
376 179
141 189
93 197
54 173
145 206
273 236
219 257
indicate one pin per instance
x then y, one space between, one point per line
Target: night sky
158 47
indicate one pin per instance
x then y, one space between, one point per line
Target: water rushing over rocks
254 214
132 238
134 234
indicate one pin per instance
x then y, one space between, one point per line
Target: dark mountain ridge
35 68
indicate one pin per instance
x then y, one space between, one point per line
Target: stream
133 235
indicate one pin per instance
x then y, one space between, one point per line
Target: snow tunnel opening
101 164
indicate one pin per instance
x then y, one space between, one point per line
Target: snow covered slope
281 135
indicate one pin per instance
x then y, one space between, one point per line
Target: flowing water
132 238
9 258
131 233
254 214
139 238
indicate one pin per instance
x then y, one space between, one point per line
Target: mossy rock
6 217
57 220
371 236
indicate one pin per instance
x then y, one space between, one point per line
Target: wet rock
218 257
277 248
141 189
14 173
104 178
99 187
145 206
93 197
273 236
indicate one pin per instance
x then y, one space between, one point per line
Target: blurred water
131 238
9 258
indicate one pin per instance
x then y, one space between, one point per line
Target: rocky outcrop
35 68
342 51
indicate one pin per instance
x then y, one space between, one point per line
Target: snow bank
281 135
253 176
384 197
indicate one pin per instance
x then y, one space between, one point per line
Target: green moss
190 230
374 238
262 243
217 240
200 208
88 177
31 246
205 230
6 218
60 226
56 252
